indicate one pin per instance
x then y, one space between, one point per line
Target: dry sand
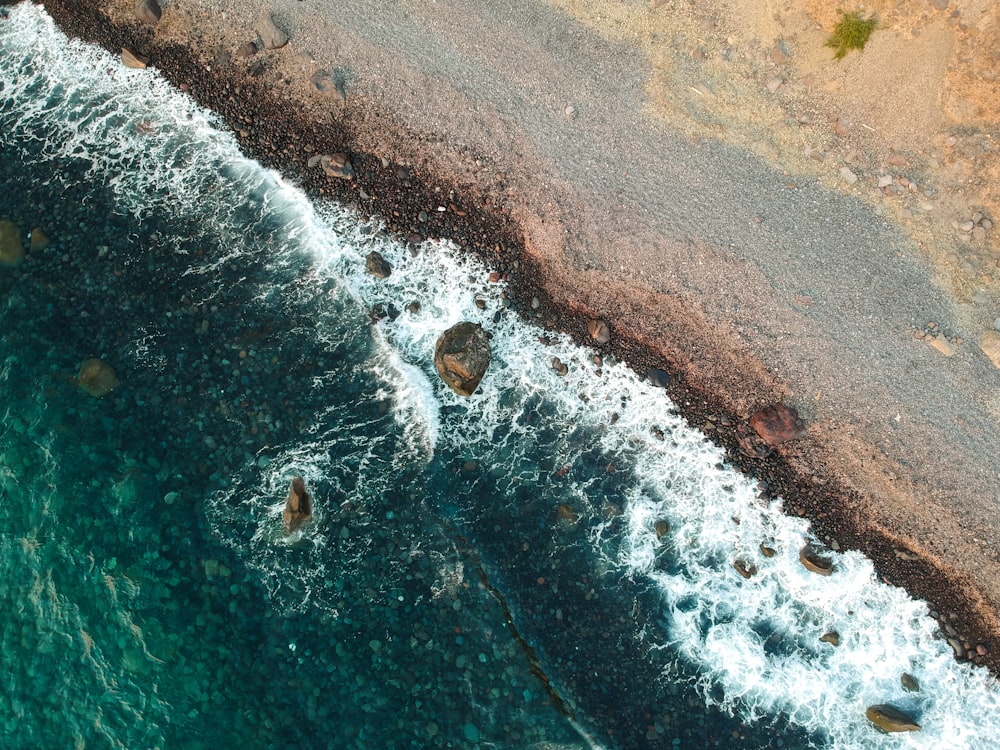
677 168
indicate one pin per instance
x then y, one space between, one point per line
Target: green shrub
851 32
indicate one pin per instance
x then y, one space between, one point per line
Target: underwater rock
97 378
38 241
891 719
462 356
909 683
298 506
814 561
11 246
377 266
778 424
599 331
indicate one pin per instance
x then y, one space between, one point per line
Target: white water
716 615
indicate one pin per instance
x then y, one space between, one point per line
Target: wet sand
750 283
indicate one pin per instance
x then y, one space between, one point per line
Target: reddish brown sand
605 158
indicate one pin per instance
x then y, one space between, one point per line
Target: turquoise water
484 572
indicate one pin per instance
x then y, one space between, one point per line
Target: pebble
849 177
885 180
774 84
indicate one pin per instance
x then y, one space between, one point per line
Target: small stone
833 638
815 562
767 551
249 49
909 683
774 84
132 59
849 177
986 224
599 331
377 266
891 719
942 344
559 366
885 180
535 303
966 226
148 11
978 233
270 34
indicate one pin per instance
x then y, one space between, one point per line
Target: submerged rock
778 424
37 241
11 245
909 683
814 561
891 719
462 356
97 378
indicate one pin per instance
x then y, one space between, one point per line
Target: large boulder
777 424
891 719
97 378
11 244
462 356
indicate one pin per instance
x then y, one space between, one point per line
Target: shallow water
151 595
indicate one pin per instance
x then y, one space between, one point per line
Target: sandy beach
763 222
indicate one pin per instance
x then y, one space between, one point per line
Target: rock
377 265
11 244
909 683
658 378
891 719
599 331
249 49
778 423
298 506
885 180
132 59
774 84
566 513
942 345
338 166
744 568
559 366
849 177
148 11
462 356
38 240
833 638
815 562
990 344
97 378
662 529
767 551
270 34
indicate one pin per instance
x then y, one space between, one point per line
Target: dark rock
814 561
662 529
338 166
462 356
559 366
377 265
148 11
891 719
777 424
909 683
658 378
599 331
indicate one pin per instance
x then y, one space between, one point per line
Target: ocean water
547 564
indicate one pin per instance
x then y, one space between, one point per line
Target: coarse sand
773 224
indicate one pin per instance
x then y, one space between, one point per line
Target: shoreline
480 224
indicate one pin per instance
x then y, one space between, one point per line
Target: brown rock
599 331
97 378
833 638
990 344
777 424
767 551
38 240
377 265
132 59
744 568
462 356
270 34
815 562
891 719
566 513
11 245
337 165
662 529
